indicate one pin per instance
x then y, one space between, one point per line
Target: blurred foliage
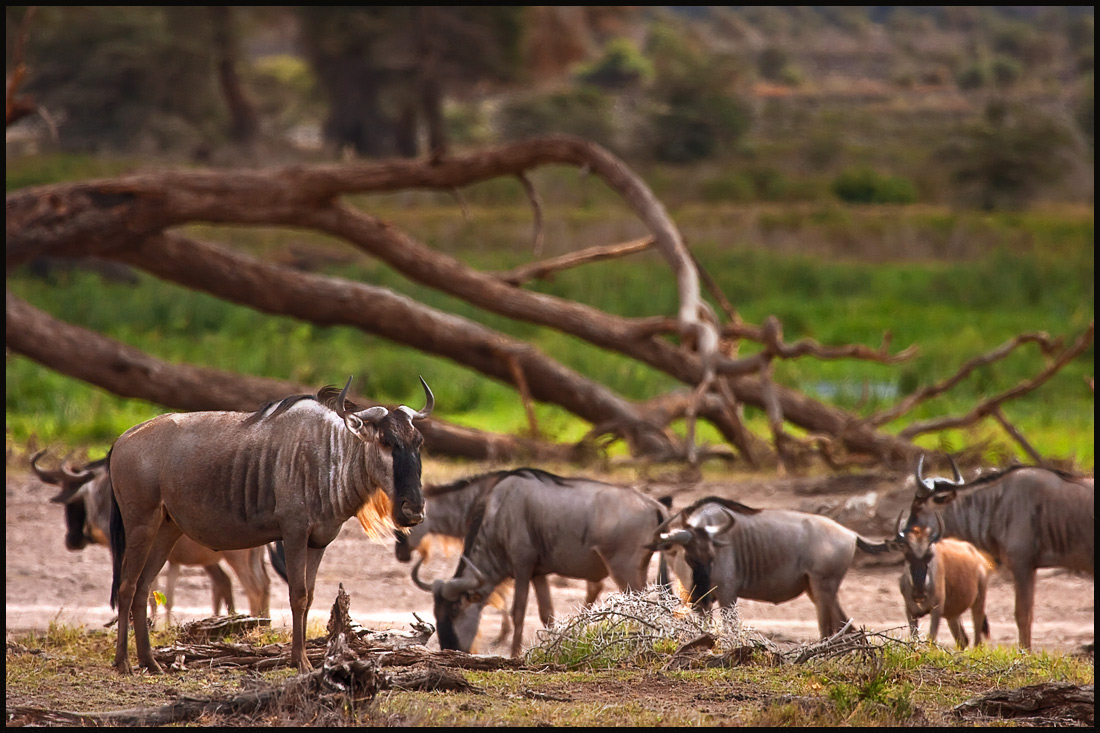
1001 161
866 186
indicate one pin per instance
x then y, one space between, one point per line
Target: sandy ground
45 583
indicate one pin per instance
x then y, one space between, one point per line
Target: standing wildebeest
1024 517
294 470
943 577
723 550
449 510
86 495
533 523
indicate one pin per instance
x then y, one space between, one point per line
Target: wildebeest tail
664 581
118 537
872 548
277 553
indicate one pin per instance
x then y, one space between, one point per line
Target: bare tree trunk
245 123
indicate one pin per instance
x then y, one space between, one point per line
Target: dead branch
1051 703
1016 435
987 407
536 206
125 219
1046 344
543 269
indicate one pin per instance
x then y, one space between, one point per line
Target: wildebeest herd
197 488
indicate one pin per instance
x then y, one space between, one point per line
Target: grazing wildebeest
449 510
533 523
86 495
943 577
1024 517
294 470
723 550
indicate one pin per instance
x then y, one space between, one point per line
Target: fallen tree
135 220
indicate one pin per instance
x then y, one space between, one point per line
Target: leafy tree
867 186
695 112
1002 160
126 77
622 66
584 112
385 69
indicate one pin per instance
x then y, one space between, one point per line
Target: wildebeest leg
170 579
139 538
830 616
595 587
519 609
153 603
505 620
221 589
154 561
542 598
248 566
1024 580
958 632
296 576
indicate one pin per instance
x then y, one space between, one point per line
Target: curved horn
897 526
938 532
664 525
452 589
679 537
416 575
429 404
76 476
928 484
341 408
373 414
477 573
955 467
50 477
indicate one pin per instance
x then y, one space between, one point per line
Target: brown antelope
294 470
1024 517
943 577
723 550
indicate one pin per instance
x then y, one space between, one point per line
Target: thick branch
129 372
989 406
909 403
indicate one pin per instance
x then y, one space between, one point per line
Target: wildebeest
943 577
449 510
723 550
294 470
86 495
533 523
1024 517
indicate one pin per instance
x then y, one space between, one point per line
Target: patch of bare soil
47 583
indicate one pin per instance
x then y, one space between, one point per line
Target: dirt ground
46 583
